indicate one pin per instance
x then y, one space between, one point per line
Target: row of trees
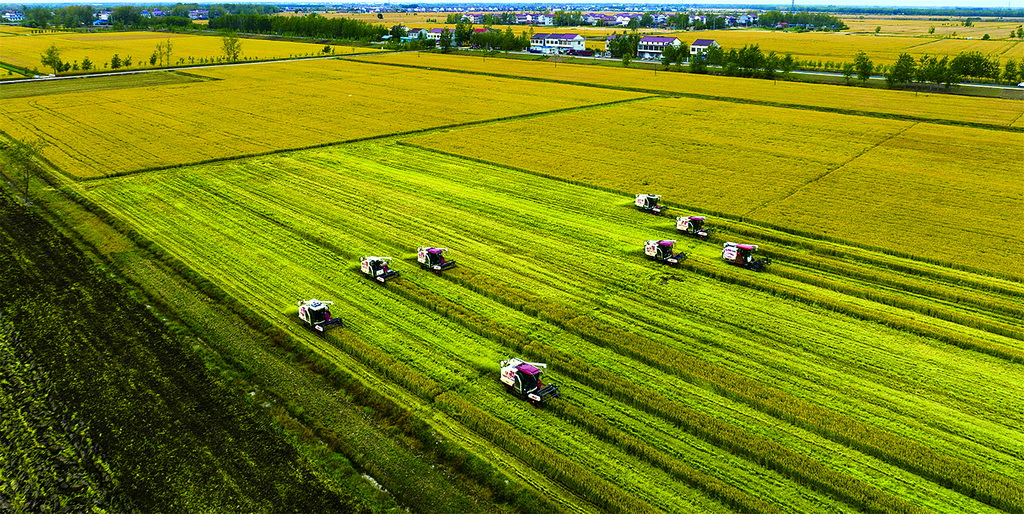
231 45
806 19
949 72
313 25
75 16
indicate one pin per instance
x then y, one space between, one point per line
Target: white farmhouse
556 43
701 46
652 47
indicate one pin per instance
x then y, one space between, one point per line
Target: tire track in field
814 180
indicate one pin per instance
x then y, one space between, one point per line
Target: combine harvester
431 258
523 380
649 203
316 315
743 256
662 251
692 226
377 268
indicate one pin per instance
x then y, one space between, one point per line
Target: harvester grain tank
377 268
316 315
523 379
431 258
742 255
692 226
649 203
662 251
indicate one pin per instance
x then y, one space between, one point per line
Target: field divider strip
391 135
819 177
701 96
752 223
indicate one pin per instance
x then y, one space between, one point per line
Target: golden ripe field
25 51
938 191
994 111
844 46
920 26
256 108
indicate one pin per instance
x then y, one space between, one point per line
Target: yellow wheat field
994 111
255 108
844 46
947 193
25 51
919 26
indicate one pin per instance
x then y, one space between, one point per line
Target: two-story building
556 43
435 34
652 47
701 46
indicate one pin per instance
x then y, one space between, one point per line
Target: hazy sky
1015 4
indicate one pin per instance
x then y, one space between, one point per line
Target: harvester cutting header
316 315
649 203
662 251
377 268
431 258
742 255
523 380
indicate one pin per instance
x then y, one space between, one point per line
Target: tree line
313 25
131 16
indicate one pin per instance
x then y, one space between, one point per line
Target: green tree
153 58
699 64
127 62
230 46
38 17
634 23
985 37
1010 72
74 16
126 15
446 41
931 30
849 70
646 20
864 66
86 64
668 55
51 58
463 33
901 72
24 156
877 30
787 64
397 32
115 62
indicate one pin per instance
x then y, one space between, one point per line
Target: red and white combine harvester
692 226
523 380
662 251
743 256
649 203
316 315
377 268
431 258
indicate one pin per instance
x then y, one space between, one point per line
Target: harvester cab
523 379
649 203
316 315
433 259
662 251
692 226
743 255
377 268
